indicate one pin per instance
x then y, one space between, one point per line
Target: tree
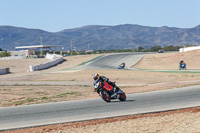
172 48
140 49
156 48
5 54
1 49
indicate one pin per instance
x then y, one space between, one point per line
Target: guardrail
189 49
4 70
55 59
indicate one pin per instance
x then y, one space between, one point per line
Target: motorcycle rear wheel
105 95
122 97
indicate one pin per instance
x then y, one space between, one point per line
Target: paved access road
51 113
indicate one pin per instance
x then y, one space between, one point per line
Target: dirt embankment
170 61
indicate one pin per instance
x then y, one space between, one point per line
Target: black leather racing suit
105 79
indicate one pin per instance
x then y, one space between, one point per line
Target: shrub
5 54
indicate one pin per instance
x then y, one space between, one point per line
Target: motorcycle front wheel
105 95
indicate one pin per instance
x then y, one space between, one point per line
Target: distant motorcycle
161 51
106 91
182 66
121 66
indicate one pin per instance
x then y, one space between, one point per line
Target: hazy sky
57 15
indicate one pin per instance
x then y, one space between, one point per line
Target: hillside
100 37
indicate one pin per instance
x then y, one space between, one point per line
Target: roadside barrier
189 48
12 58
54 60
4 70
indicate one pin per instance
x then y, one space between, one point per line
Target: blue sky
57 15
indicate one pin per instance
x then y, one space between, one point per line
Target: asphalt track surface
78 110
113 61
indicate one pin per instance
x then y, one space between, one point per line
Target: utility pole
1 49
71 47
41 39
199 27
176 40
88 46
41 45
2 40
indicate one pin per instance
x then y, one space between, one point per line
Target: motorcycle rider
104 79
181 63
122 65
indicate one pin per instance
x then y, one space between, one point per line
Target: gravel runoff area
177 121
186 120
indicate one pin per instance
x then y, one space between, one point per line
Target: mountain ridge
101 37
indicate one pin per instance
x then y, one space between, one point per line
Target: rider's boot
115 90
111 92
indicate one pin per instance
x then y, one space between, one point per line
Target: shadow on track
122 101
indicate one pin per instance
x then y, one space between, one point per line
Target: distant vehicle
182 67
121 66
161 51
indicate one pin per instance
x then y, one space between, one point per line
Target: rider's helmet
96 76
181 61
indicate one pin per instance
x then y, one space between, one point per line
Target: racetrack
70 111
41 114
113 61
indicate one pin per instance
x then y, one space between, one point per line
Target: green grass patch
65 94
5 89
44 98
27 100
167 71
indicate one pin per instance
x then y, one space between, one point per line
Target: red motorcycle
106 91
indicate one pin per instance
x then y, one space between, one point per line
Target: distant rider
181 63
121 66
104 79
